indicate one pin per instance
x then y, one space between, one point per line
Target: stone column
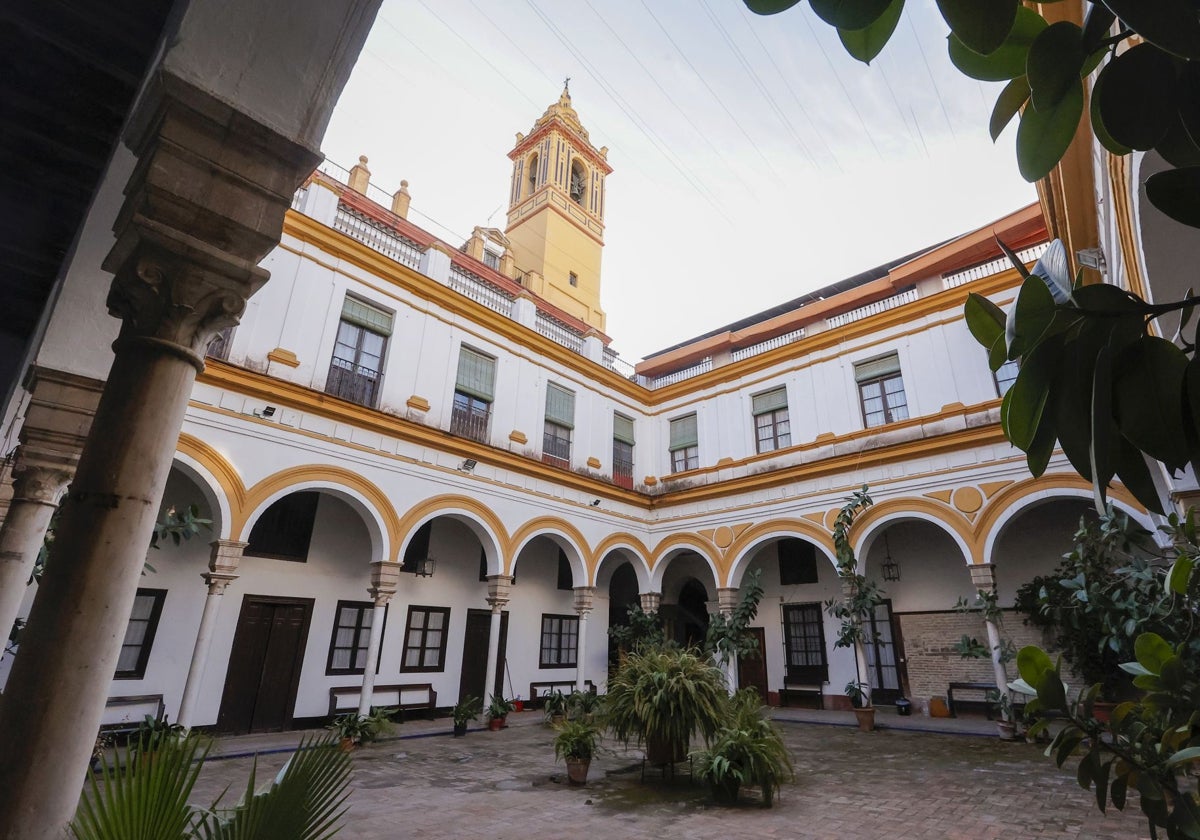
39 481
983 576
583 606
651 601
204 206
727 598
385 578
222 571
498 589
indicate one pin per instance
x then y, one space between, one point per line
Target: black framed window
560 420
560 634
139 634
356 367
685 444
797 561
881 391
425 639
351 633
474 391
284 531
804 639
1006 376
772 428
622 471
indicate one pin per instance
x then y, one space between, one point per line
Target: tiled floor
890 784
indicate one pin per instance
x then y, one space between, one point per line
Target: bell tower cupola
556 211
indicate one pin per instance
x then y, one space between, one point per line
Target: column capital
727 598
40 477
498 591
650 601
217 581
583 599
983 576
225 557
385 581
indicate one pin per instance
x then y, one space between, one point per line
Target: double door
264 665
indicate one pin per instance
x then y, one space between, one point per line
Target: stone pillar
222 571
385 578
651 601
983 576
39 482
360 176
498 589
727 598
583 606
401 200
204 206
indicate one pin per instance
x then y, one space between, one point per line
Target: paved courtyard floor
889 784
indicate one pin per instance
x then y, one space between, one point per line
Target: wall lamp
467 466
596 503
425 567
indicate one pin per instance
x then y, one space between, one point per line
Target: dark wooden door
264 665
475 655
882 655
752 670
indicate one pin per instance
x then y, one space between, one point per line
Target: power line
929 72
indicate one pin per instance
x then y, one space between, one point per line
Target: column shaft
493 658
581 653
223 564
373 642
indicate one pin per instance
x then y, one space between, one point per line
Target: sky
754 160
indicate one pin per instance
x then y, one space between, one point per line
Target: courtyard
893 783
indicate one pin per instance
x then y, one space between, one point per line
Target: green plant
642 629
361 729
556 704
987 606
584 704
663 695
466 710
859 693
860 594
152 733
499 707
747 750
576 739
728 637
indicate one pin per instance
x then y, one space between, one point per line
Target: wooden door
264 665
752 670
475 655
882 656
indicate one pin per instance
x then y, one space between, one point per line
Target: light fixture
596 503
890 568
425 567
467 466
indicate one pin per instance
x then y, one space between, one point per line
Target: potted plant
748 750
1006 723
497 712
659 697
465 711
354 730
576 744
583 704
152 734
555 707
860 701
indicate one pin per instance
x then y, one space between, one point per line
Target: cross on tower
567 83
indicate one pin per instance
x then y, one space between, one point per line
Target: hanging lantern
890 568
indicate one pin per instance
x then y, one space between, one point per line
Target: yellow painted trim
618 540
1121 179
449 503
417 403
593 462
517 436
550 524
284 357
952 519
223 471
800 527
692 541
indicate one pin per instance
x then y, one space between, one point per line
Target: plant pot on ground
497 712
576 745
860 699
747 750
354 730
555 707
465 711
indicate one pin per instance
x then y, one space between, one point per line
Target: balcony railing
470 422
704 366
477 289
557 331
376 236
622 474
352 382
872 309
769 344
987 269
556 450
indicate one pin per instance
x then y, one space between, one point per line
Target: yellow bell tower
556 211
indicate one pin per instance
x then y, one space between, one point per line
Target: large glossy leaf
850 14
982 25
1135 475
1138 97
1177 147
985 320
1096 28
1171 24
1008 60
1032 663
1072 397
1026 399
1054 63
1043 136
1014 95
1176 192
1151 651
1106 139
1037 457
1054 268
1105 451
1148 399
769 7
1029 319
1189 99
865 44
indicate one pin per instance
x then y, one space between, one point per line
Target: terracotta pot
518 705
866 718
348 745
662 751
1007 730
496 724
577 770
1102 710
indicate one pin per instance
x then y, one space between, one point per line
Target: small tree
860 596
727 638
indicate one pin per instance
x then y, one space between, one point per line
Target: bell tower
556 211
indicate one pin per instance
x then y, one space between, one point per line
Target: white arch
866 539
569 548
482 531
376 528
1053 494
621 553
660 568
737 570
212 491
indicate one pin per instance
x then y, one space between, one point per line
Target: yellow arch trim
615 541
223 471
448 503
1009 496
702 547
953 520
323 474
802 527
551 523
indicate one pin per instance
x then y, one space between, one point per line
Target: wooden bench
985 687
124 714
405 697
805 681
538 691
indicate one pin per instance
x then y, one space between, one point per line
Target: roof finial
567 84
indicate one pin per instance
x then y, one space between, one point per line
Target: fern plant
747 750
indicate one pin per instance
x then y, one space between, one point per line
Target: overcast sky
753 159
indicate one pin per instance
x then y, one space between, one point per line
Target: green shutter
476 374
623 429
683 432
883 366
770 401
560 405
365 315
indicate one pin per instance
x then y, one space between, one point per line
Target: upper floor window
573 278
491 260
622 469
560 420
284 530
881 390
685 449
139 634
1006 376
578 186
772 430
354 371
473 395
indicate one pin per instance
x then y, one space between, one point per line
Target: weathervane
567 84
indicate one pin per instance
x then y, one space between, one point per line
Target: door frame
760 634
501 658
889 695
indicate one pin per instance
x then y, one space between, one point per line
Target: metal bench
985 687
123 715
807 681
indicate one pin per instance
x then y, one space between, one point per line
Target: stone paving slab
891 784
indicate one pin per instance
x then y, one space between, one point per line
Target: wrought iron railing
769 344
470 422
622 474
556 450
907 296
352 382
557 331
382 239
477 289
